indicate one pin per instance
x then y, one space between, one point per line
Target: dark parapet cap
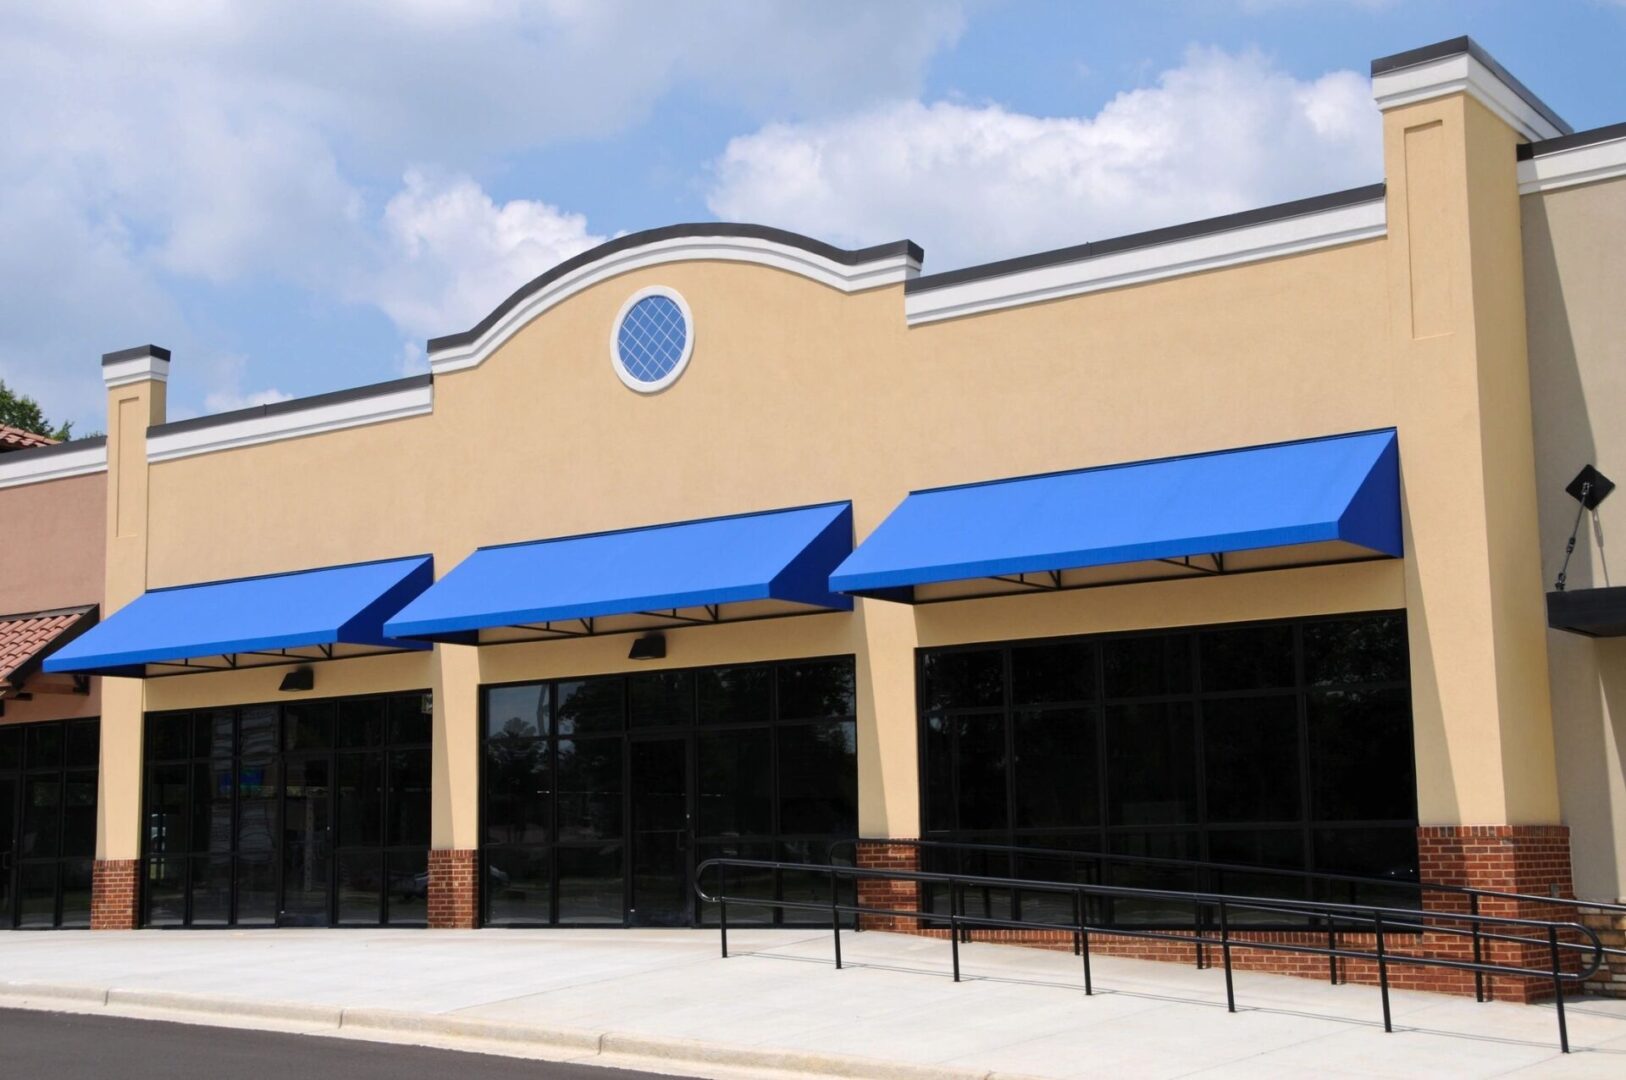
254 412
677 232
1459 46
157 352
1096 248
1530 151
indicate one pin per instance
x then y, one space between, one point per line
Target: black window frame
701 845
58 863
277 753
1200 831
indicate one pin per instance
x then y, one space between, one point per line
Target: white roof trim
24 467
1566 168
134 370
1462 73
1249 243
891 270
292 423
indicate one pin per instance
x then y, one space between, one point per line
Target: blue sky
294 197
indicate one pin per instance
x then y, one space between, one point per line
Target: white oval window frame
627 378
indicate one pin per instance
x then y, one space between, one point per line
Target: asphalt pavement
62 1046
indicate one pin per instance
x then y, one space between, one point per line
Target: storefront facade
1222 542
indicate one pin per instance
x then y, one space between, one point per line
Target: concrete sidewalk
663 1000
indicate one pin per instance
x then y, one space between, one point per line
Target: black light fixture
300 678
1589 488
648 647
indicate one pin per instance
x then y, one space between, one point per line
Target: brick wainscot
1532 859
454 883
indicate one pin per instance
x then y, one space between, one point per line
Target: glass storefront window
313 812
600 817
48 793
1284 745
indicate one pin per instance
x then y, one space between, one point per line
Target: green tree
22 411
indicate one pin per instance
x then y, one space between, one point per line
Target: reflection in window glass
810 691
735 695
1147 666
1247 658
219 822
962 680
589 790
1056 768
589 706
1151 764
1247 743
661 699
736 783
818 778
1052 673
748 758
516 711
1251 759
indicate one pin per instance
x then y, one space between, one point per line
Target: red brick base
1509 858
454 900
114 895
883 893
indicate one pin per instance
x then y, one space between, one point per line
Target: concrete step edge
53 992
671 1050
213 1005
468 1027
696 1052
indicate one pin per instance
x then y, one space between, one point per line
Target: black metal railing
1382 923
1214 874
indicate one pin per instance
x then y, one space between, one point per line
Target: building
52 563
1229 541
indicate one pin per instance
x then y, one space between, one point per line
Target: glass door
307 841
661 846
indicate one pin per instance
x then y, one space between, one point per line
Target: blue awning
315 614
680 572
1321 500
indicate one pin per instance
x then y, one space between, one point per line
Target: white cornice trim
1251 243
134 370
891 270
25 467
1458 74
291 424
1566 168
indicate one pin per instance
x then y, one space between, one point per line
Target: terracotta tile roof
24 639
16 438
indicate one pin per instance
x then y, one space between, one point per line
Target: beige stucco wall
1574 269
53 546
52 555
798 393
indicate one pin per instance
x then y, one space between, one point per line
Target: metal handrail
1381 920
1422 888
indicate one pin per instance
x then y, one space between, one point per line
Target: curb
576 1044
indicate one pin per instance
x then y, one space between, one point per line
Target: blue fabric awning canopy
778 560
315 614
1317 500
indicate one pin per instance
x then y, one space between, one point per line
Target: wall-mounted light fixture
1589 488
648 647
300 678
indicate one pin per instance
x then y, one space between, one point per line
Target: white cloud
155 143
451 252
223 378
1220 133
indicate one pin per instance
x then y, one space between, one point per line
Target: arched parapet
837 268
